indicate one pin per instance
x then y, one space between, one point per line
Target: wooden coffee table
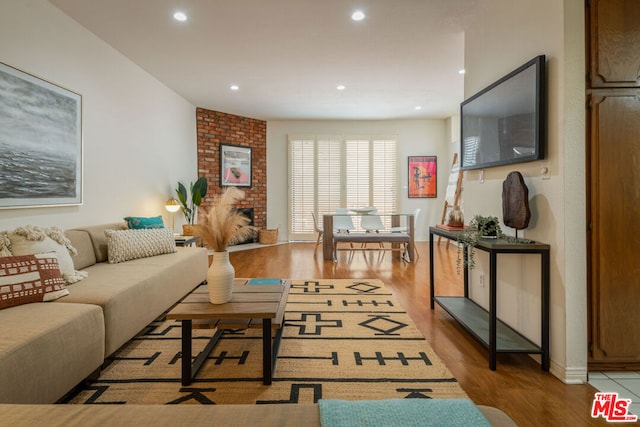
251 306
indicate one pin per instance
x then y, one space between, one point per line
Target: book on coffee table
265 281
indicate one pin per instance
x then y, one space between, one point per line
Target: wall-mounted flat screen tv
506 122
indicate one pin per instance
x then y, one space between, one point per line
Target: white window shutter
327 172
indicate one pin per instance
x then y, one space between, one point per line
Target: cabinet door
614 48
615 216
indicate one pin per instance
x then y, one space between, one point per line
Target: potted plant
479 227
221 226
189 202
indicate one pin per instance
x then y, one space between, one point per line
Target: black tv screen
505 123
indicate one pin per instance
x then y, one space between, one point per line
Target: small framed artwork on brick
235 166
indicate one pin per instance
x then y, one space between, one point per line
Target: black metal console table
497 336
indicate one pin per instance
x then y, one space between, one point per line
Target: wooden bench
399 242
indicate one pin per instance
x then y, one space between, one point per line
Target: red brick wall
215 128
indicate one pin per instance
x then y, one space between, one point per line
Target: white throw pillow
29 240
5 244
125 245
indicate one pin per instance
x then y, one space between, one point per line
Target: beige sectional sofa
48 348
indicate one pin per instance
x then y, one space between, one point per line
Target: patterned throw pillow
30 278
139 222
125 245
31 239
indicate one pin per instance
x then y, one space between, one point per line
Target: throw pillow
30 278
32 240
5 244
138 222
125 245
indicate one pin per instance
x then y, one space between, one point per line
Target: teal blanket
401 412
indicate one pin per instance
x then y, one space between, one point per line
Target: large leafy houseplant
190 201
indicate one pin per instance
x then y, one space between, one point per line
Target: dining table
396 221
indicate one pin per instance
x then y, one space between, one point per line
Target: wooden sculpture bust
515 202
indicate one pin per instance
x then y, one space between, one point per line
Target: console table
497 336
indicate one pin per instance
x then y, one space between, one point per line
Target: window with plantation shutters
302 166
328 172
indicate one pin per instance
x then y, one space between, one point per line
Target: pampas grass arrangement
223 224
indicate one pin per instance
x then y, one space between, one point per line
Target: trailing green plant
189 202
480 227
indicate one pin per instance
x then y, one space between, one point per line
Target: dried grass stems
223 224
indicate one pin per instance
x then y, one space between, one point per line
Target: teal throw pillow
139 222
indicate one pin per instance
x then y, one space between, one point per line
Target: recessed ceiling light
180 16
358 15
341 87
418 107
461 71
234 87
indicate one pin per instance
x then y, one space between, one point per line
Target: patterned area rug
343 339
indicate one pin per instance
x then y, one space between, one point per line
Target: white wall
139 136
506 35
416 138
139 140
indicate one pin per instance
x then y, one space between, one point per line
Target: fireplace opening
248 212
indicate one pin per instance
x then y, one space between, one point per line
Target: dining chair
405 228
371 222
342 223
318 229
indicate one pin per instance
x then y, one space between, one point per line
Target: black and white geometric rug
343 339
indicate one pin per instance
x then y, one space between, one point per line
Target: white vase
220 278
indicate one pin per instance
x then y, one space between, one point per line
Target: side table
186 240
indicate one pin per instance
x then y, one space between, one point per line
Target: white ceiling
288 56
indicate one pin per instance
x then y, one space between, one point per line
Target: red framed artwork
423 176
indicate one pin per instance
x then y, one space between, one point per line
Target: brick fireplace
215 128
248 212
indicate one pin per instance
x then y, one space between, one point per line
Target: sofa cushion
99 239
30 278
81 240
140 222
134 293
32 240
125 245
48 348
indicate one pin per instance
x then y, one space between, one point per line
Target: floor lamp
172 206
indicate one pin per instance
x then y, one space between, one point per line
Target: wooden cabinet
613 175
615 226
614 43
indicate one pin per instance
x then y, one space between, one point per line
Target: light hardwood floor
518 387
